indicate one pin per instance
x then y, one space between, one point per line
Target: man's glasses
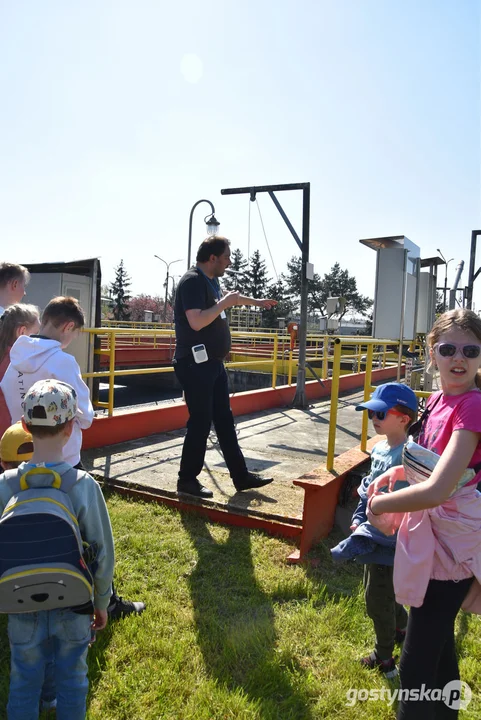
381 414
470 352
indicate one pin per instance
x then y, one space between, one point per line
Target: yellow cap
16 444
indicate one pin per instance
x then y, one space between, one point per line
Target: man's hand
266 303
231 299
100 619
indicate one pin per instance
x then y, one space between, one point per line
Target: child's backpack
42 564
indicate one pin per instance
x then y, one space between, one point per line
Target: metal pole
190 226
401 325
367 394
454 289
336 372
445 307
472 275
166 290
300 396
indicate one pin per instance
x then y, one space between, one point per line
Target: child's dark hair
63 310
214 245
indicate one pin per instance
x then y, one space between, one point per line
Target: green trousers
385 613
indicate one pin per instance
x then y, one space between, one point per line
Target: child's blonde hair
465 320
15 317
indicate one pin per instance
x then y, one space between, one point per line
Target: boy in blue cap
392 408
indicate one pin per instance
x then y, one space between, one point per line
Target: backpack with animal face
42 565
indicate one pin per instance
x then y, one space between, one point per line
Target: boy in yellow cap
16 446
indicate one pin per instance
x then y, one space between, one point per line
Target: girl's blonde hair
14 317
465 320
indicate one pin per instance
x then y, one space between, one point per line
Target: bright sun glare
191 68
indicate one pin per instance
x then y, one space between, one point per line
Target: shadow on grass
235 625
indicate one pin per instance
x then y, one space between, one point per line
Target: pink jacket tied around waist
441 543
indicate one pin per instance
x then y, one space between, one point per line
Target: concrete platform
283 443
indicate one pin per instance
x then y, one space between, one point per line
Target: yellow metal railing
269 351
368 388
110 336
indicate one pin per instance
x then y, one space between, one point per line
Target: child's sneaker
387 667
400 635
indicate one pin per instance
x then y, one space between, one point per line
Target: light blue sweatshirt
93 518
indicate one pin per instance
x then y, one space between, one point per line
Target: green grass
232 631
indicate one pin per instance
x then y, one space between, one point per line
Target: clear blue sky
116 116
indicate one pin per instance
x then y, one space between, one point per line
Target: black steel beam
263 188
286 219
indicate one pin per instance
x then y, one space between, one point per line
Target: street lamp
211 222
166 282
445 278
174 286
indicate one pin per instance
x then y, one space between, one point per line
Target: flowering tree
140 303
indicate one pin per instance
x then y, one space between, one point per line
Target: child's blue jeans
36 639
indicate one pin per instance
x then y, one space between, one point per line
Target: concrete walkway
283 443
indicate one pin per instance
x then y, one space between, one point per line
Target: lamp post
211 222
445 292
166 282
174 286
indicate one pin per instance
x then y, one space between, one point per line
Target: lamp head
212 225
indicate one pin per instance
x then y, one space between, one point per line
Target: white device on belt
200 354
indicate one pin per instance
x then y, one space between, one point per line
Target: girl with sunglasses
437 565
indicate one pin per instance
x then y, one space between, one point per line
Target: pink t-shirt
452 412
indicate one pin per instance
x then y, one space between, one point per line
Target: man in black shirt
200 320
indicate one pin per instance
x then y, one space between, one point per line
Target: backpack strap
416 427
70 477
13 479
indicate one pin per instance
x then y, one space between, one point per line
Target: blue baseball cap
388 395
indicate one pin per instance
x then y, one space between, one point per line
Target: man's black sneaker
119 608
193 487
251 481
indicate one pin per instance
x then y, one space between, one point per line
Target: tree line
251 278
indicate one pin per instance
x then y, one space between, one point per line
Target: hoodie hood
29 354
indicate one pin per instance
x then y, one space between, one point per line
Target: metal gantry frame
472 275
300 399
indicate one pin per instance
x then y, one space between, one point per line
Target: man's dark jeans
207 397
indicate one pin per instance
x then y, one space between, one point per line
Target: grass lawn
232 631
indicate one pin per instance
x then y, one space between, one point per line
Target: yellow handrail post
325 359
359 353
111 372
367 393
274 364
336 372
289 376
